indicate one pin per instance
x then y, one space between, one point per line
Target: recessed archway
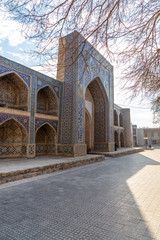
13 139
122 139
115 118
97 105
13 92
121 120
116 138
47 102
46 140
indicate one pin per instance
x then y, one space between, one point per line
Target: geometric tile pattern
21 119
42 149
100 107
35 81
45 140
13 132
67 113
33 109
13 140
94 65
42 84
31 149
14 149
24 76
8 93
47 102
80 120
39 122
65 149
46 135
13 92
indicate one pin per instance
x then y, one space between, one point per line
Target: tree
128 30
156 110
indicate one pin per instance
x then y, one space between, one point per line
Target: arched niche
115 118
13 92
47 101
122 139
116 140
13 139
121 120
46 140
97 99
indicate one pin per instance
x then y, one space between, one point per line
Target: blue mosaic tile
21 119
39 122
24 76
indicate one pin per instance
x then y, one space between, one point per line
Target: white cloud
10 30
20 56
1 50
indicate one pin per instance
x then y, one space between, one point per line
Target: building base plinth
31 150
73 150
111 146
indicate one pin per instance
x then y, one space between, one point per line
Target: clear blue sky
13 44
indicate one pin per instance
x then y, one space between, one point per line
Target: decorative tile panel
25 77
39 122
21 119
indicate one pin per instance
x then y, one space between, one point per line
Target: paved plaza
117 199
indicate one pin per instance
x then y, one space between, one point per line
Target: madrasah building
71 115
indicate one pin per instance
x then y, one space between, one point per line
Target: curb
36 171
118 154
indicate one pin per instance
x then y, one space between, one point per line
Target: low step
6 177
119 153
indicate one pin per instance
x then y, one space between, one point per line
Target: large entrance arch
13 92
46 140
13 139
96 103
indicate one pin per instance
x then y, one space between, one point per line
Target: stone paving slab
117 199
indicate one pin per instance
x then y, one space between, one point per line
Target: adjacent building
146 136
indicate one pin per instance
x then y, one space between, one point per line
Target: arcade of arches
13 136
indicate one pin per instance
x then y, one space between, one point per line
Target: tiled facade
50 114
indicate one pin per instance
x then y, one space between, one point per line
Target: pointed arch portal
46 140
13 92
96 102
13 139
